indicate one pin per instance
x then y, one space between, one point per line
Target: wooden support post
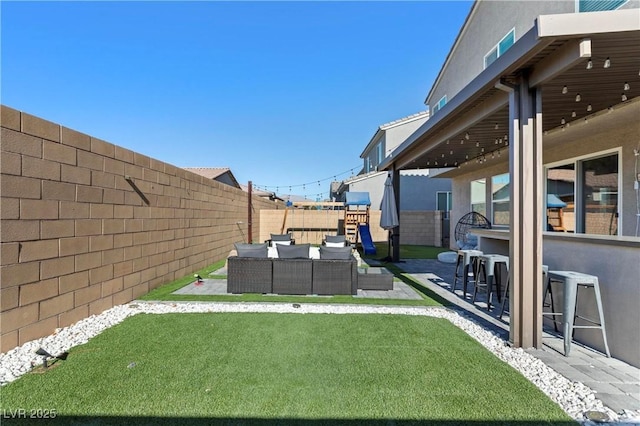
525 248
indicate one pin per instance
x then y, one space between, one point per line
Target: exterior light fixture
565 90
607 63
626 86
589 64
589 108
573 113
563 121
624 97
578 97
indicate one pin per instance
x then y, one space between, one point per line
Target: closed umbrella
389 215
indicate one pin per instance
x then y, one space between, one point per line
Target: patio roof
555 54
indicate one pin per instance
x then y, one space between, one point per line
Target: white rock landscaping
576 399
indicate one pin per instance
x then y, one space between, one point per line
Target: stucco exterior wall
615 264
485 29
417 191
87 225
397 134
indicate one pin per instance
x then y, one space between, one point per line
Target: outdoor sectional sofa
297 275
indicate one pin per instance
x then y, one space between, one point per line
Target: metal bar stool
547 290
571 282
466 259
490 264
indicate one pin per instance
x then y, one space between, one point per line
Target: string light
306 184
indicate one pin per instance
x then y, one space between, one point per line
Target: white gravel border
574 397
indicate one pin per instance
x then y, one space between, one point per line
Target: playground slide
365 239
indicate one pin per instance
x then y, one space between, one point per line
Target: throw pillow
335 253
280 243
277 239
335 239
251 250
330 244
298 251
280 237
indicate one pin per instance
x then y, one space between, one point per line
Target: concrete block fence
87 225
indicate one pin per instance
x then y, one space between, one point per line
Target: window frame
616 3
577 161
496 47
483 181
440 104
502 201
449 196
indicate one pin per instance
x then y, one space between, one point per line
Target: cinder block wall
87 225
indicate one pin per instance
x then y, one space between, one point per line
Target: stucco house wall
486 27
615 264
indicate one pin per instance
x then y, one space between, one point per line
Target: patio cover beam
572 52
481 111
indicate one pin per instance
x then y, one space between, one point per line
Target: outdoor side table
571 281
375 279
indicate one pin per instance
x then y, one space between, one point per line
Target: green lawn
261 368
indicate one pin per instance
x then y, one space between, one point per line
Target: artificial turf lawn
263 367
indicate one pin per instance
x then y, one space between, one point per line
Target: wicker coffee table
375 279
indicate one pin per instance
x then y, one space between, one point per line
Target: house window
441 103
598 5
500 199
380 154
499 49
444 202
478 196
583 195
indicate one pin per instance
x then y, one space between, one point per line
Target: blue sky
286 94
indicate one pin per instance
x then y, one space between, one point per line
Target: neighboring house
224 175
220 174
418 190
536 99
387 138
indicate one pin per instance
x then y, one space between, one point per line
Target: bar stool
490 263
571 282
547 289
466 259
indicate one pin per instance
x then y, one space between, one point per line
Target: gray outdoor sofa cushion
251 250
335 253
299 251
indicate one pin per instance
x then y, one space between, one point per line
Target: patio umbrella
389 217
